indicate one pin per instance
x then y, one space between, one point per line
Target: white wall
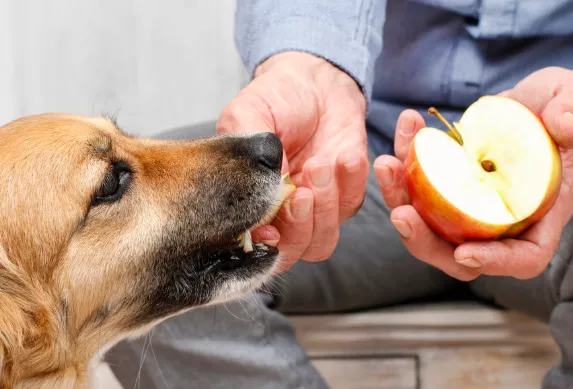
158 64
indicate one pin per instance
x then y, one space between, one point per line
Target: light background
157 64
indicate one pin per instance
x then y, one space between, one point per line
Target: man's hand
547 92
318 112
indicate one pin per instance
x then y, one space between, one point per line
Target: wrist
292 60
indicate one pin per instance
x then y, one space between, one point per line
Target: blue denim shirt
414 53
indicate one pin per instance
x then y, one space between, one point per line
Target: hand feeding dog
103 235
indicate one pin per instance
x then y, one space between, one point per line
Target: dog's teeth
247 242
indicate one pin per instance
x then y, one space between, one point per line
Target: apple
285 189
491 176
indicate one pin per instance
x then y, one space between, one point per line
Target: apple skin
441 216
455 226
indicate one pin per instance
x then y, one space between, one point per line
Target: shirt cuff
316 37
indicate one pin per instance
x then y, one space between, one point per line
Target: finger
558 117
267 234
548 93
248 113
425 245
294 223
390 175
523 258
505 93
351 175
510 257
536 90
408 124
318 175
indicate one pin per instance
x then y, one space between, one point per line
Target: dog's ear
13 316
7 380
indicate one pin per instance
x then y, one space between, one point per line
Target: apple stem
453 132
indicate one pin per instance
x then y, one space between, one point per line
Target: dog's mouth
244 254
243 251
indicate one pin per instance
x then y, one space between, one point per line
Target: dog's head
103 235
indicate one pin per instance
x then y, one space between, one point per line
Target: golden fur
76 277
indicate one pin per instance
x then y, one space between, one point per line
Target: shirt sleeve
348 33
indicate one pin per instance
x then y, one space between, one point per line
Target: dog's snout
267 150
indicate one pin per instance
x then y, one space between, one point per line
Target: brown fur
74 277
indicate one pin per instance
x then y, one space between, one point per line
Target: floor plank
469 347
368 373
477 368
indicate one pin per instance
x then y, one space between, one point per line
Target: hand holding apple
509 184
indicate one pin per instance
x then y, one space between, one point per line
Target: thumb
558 118
248 113
549 94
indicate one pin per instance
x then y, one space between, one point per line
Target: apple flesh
285 189
492 176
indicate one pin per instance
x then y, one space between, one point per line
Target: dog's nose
267 149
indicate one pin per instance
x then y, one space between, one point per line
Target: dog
103 235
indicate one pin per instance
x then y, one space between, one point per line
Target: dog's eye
114 183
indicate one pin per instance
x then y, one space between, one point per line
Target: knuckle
322 249
227 118
391 202
325 210
537 267
231 111
352 203
319 254
464 274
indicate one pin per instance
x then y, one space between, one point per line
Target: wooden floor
423 347
430 347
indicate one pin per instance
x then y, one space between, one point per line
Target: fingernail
568 116
320 175
300 207
406 130
403 228
386 176
353 164
469 262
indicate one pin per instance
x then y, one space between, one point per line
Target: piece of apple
285 189
491 176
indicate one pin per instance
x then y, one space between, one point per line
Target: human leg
548 297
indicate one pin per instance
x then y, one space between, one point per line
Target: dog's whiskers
157 363
142 359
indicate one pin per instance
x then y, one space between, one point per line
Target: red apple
491 176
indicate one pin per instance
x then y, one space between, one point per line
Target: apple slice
285 189
491 176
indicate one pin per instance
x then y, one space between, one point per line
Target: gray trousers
250 344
